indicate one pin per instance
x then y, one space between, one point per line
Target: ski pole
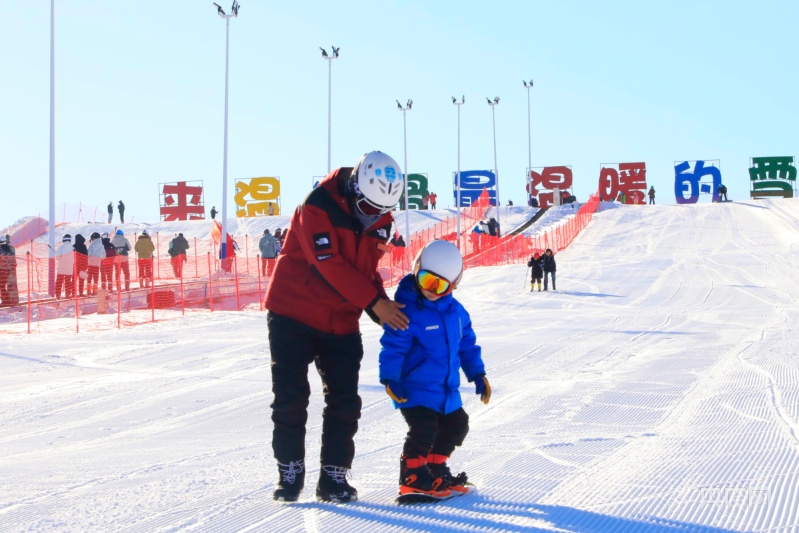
525 276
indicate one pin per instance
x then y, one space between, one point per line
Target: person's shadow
482 513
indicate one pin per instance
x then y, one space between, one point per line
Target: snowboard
414 498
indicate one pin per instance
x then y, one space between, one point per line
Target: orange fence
200 281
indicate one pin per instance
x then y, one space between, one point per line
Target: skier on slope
324 278
550 268
536 263
420 368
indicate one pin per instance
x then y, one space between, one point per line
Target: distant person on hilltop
723 193
213 212
651 194
110 211
433 198
121 208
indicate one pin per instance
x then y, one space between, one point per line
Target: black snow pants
433 432
293 346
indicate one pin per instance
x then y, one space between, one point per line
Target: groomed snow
656 390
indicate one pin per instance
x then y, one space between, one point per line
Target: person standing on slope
268 248
420 368
651 194
537 273
550 267
324 278
9 294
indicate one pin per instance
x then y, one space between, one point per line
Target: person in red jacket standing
324 278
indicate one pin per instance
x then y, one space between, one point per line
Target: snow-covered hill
656 390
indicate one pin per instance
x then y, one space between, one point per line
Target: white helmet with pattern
377 183
444 260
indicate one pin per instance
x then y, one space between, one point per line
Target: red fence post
236 270
210 284
196 275
28 261
157 258
258 268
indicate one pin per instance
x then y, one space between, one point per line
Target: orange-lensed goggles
430 281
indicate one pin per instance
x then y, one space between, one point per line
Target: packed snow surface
656 390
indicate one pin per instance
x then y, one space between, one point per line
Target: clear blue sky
140 92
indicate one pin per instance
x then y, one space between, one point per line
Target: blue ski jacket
426 358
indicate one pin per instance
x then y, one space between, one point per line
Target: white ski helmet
441 258
377 183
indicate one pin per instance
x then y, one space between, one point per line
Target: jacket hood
80 239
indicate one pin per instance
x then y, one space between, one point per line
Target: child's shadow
485 513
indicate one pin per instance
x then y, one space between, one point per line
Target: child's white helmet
377 182
441 258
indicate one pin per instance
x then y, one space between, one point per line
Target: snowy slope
657 390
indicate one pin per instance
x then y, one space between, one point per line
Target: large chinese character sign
623 182
543 182
258 197
695 178
472 184
772 177
181 201
417 191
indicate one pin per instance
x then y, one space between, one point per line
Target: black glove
482 388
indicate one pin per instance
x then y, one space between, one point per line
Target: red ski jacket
326 274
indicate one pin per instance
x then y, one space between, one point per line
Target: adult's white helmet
377 183
442 258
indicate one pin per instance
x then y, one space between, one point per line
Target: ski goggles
370 209
432 282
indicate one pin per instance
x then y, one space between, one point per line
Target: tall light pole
529 138
458 175
234 13
330 59
51 215
493 104
407 208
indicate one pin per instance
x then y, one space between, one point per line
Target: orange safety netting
199 280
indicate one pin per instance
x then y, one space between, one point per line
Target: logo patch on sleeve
321 241
323 257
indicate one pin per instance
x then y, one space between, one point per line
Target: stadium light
329 58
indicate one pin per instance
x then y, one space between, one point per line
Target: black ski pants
432 432
294 346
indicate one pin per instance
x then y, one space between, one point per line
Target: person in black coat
81 262
538 271
549 267
121 208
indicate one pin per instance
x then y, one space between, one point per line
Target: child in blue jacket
420 367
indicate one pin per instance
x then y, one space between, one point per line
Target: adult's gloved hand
395 391
483 388
529 263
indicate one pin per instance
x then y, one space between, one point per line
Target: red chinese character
178 206
629 179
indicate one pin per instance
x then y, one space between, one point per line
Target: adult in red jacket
325 277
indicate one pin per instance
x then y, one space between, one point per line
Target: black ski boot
333 486
292 480
416 478
453 483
